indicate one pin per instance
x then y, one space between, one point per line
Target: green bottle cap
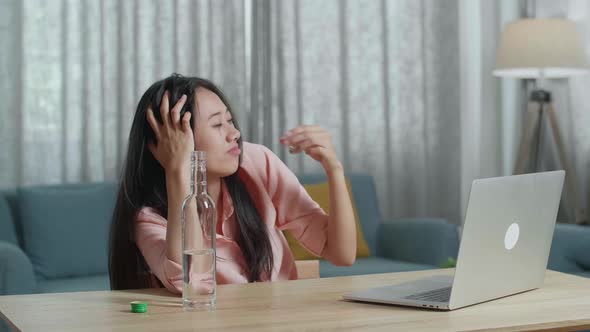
139 307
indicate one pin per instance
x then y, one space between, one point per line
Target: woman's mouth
235 151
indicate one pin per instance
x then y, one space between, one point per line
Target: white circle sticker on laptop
511 236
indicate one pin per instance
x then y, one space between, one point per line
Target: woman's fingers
164 107
302 129
301 133
306 138
295 139
153 122
315 137
303 136
315 141
175 112
302 146
170 118
186 122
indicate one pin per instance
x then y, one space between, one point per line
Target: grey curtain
382 77
72 72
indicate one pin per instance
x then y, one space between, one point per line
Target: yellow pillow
321 194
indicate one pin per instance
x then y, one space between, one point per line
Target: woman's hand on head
315 141
174 137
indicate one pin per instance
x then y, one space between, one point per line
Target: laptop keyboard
436 295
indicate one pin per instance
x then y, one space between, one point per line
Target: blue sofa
54 239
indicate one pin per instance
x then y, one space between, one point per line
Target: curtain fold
382 77
73 72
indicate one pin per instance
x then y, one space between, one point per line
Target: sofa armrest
570 249
428 241
16 271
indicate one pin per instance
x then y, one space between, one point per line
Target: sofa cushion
7 229
430 241
79 284
369 265
582 256
570 249
65 228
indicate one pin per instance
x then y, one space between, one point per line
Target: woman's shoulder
259 161
256 155
253 149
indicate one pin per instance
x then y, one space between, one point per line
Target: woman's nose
234 135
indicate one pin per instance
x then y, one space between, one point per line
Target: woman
256 195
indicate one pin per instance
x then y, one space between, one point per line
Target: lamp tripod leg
528 139
570 175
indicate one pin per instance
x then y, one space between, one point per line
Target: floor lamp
542 49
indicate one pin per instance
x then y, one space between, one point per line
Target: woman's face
215 134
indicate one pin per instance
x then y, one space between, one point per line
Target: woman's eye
217 125
230 121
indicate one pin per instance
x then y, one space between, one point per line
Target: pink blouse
281 201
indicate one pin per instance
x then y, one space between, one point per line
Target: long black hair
143 184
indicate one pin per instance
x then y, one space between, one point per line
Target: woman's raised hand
315 141
174 137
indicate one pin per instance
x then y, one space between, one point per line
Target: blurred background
406 87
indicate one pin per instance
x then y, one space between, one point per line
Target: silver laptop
504 246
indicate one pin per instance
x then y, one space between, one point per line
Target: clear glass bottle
199 289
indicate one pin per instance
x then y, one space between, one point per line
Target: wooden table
314 304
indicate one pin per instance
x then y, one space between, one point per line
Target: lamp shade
533 48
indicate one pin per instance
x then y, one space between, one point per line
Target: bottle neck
198 173
201 178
